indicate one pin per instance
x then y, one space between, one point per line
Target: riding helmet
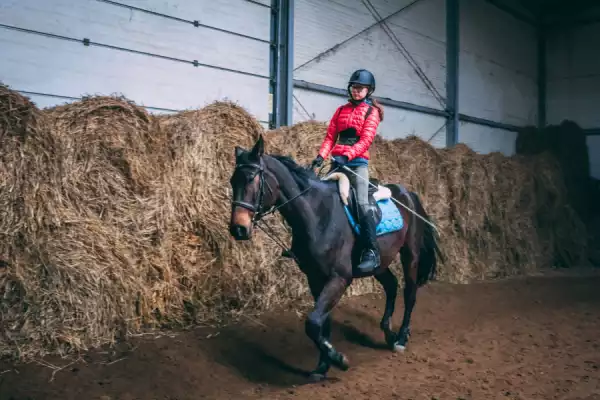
362 77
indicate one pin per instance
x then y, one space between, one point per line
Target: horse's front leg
316 284
317 322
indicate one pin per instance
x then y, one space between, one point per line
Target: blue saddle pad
391 218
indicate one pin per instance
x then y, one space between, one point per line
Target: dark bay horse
323 242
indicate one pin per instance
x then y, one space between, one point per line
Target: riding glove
317 162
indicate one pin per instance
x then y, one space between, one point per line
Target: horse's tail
430 250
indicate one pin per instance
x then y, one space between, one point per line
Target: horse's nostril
239 232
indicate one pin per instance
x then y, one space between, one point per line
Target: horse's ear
259 147
238 151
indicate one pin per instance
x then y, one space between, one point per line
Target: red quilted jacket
346 117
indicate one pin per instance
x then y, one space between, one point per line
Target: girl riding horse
349 136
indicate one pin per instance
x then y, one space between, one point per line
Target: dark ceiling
557 7
548 10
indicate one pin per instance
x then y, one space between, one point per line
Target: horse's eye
249 178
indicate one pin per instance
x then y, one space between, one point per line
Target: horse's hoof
316 377
341 361
390 339
398 348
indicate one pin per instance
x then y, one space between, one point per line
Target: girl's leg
370 255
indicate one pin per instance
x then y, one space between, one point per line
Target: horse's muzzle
239 232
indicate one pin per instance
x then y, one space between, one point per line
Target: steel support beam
541 75
577 22
592 131
315 87
452 72
286 64
487 122
281 63
274 78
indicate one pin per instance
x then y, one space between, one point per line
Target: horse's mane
302 176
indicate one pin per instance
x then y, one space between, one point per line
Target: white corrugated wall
497 58
498 75
420 28
497 65
56 67
321 25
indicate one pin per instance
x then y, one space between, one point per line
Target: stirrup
374 260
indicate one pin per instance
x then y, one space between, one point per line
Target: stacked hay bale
81 248
417 165
27 196
242 277
566 148
114 220
497 215
567 144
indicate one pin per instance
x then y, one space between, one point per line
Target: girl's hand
317 162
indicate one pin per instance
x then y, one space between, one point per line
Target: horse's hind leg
410 264
330 295
390 285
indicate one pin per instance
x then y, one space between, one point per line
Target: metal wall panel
51 65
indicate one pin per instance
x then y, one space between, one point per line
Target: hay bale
560 226
27 155
80 261
245 277
469 208
300 141
115 221
567 142
27 195
419 166
110 146
201 144
511 235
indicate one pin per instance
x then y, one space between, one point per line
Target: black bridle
257 207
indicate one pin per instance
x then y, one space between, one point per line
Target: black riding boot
369 260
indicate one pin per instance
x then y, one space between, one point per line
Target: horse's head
253 190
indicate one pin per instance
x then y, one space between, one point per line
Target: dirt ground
528 338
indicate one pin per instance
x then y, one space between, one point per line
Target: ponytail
379 108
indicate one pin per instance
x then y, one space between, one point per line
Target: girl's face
359 92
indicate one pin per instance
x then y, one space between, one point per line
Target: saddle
348 195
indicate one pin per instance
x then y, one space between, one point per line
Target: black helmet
362 77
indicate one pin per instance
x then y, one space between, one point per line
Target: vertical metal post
286 61
541 75
274 79
452 74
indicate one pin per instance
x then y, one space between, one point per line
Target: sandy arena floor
531 338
